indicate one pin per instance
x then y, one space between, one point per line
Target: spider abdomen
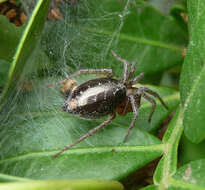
96 98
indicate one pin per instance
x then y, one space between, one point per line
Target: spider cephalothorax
103 96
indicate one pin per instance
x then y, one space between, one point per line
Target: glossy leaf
192 81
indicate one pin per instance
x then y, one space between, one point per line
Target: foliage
44 50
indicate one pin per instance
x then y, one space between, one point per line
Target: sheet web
87 28
85 43
83 38
35 126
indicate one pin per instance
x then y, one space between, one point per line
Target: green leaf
63 184
4 65
163 6
192 80
26 46
176 12
33 126
190 151
168 163
9 38
9 178
190 176
38 128
110 162
92 31
150 187
195 11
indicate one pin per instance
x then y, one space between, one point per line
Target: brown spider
102 96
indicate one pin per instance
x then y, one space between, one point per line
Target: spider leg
135 112
133 68
109 73
90 133
145 89
126 63
137 78
148 98
126 107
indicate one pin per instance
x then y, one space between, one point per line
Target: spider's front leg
137 78
126 73
108 72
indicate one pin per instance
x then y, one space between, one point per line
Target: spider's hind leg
156 95
135 112
142 91
90 133
152 101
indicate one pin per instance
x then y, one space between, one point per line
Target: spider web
80 31
83 38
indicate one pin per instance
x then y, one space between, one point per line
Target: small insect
106 96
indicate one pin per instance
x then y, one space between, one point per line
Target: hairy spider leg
145 89
109 73
137 78
90 133
135 112
152 101
126 73
133 68
126 107
141 91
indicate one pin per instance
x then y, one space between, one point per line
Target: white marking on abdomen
82 100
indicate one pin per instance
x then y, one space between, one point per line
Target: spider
106 96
